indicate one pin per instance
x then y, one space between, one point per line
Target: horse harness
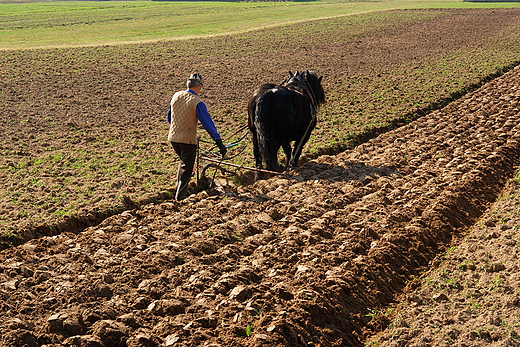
302 83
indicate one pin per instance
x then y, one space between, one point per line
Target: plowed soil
306 260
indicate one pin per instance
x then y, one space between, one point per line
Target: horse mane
315 83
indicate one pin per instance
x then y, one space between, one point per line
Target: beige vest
183 126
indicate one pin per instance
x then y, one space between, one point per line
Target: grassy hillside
87 23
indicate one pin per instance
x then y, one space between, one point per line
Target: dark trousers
187 154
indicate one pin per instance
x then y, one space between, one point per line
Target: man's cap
195 77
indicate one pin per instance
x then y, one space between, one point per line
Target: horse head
311 81
314 82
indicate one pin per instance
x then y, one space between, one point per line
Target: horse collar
307 90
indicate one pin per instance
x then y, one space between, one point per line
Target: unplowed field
309 260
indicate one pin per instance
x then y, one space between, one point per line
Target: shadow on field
357 171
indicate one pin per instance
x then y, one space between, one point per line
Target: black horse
279 114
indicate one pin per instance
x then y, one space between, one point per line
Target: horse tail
264 126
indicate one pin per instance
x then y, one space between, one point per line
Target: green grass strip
92 23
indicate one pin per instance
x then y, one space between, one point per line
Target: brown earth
83 130
471 295
309 260
300 261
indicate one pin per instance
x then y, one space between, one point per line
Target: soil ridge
303 261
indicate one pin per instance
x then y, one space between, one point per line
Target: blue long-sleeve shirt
204 118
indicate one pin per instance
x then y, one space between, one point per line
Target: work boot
182 190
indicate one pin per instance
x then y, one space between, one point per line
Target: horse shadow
348 171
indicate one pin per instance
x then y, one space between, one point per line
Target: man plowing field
186 107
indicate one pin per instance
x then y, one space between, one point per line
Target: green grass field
91 23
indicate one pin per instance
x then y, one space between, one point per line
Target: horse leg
296 156
271 159
298 149
258 158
